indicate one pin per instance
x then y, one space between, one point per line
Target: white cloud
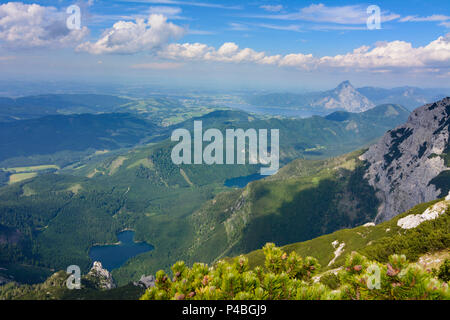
195 51
320 13
292 27
167 11
385 57
200 32
395 54
238 26
133 37
228 52
27 26
272 8
298 60
433 18
188 3
172 13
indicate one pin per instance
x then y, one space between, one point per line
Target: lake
114 256
274 111
242 182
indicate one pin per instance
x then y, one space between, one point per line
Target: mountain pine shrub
444 271
290 277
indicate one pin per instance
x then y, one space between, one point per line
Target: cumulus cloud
228 52
133 37
395 54
384 57
32 25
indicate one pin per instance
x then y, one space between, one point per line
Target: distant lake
114 256
274 111
242 182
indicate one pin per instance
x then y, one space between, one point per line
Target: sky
258 44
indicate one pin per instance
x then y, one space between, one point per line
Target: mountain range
348 98
187 213
38 106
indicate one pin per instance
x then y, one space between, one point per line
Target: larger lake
274 111
114 256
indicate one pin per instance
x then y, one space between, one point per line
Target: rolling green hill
58 133
38 106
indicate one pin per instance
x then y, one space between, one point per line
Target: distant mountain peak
344 97
344 84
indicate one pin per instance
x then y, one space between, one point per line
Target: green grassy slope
375 242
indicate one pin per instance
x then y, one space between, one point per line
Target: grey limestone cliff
403 164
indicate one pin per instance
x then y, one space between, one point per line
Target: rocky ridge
403 164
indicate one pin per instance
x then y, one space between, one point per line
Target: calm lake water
114 256
242 182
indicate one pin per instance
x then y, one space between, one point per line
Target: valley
121 186
195 213
241 151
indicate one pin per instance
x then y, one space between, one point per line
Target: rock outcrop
101 277
414 220
403 164
146 282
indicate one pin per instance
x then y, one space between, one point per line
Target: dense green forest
420 270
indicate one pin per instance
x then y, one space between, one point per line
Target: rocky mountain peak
344 85
405 163
344 97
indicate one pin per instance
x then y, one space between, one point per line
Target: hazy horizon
262 45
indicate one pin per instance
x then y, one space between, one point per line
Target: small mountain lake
242 182
114 256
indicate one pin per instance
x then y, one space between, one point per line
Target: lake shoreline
113 256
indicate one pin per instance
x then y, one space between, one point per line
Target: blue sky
291 45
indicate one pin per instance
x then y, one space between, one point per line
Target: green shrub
289 277
331 280
444 271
